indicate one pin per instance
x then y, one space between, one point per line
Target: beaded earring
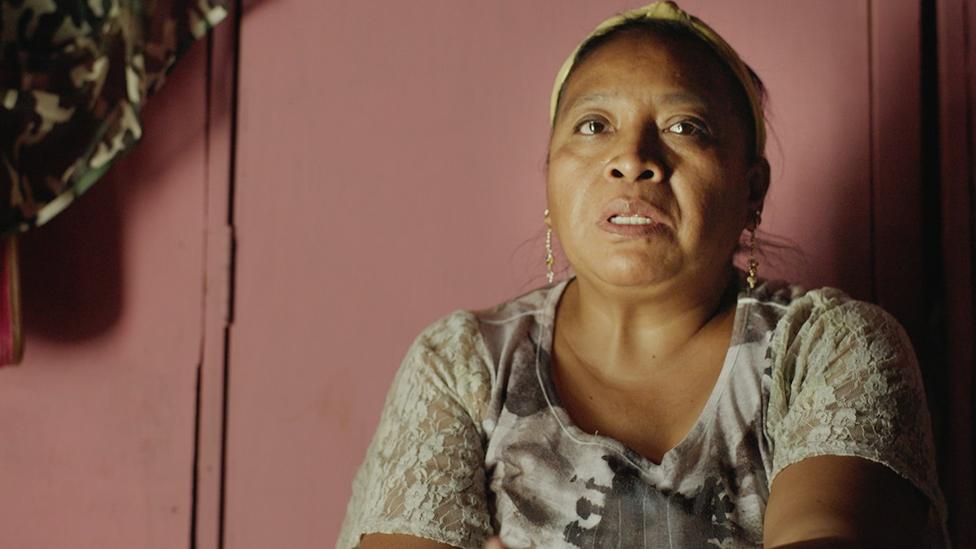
753 263
549 258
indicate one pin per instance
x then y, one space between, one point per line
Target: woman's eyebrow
582 101
683 98
593 97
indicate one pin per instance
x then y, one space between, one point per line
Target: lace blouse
473 439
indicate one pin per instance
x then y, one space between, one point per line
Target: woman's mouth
633 226
633 218
630 220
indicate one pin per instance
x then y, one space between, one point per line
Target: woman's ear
758 181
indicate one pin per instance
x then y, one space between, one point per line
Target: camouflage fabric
74 75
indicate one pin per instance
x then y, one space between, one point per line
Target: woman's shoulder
466 336
833 354
799 297
805 313
844 380
449 333
461 327
531 304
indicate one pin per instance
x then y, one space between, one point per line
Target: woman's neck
632 334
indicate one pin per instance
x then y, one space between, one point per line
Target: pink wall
98 422
957 150
389 169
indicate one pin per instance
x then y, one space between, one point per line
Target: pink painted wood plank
217 291
896 161
98 422
957 102
390 169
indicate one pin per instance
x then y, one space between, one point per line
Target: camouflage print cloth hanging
74 75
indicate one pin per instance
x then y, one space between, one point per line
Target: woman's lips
633 231
633 217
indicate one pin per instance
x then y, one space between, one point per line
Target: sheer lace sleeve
424 471
846 382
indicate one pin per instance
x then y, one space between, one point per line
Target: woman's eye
591 127
685 128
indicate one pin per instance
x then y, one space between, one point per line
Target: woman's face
651 177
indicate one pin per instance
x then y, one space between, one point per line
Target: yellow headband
669 11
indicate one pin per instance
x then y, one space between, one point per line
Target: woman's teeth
630 220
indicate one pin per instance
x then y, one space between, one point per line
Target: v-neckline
544 373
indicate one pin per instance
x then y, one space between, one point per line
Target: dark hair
673 29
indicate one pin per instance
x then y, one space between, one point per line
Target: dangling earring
549 259
753 263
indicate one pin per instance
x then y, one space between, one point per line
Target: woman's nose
636 162
623 173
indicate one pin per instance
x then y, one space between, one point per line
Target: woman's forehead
662 70
682 60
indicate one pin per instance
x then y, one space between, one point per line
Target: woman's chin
636 274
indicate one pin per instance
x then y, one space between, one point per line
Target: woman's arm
423 476
837 501
849 385
399 541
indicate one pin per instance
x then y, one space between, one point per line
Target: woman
659 398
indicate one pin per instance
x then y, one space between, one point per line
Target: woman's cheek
719 214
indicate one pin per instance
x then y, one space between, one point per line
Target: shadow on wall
71 268
73 275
